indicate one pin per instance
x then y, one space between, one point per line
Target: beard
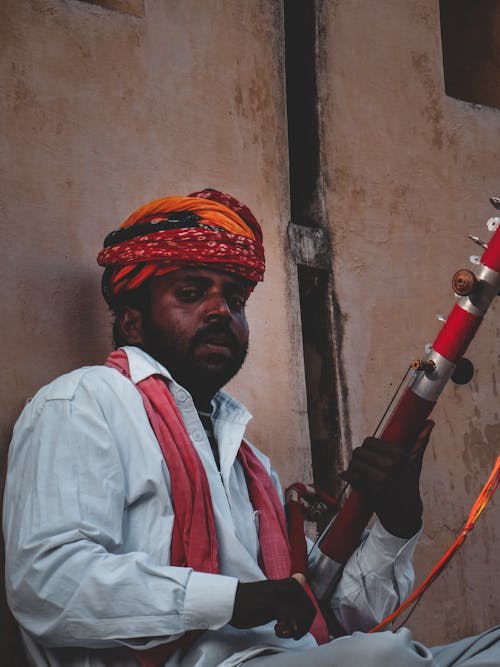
202 364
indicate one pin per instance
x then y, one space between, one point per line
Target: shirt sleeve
376 579
70 582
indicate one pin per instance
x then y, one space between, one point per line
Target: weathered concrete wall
104 111
408 172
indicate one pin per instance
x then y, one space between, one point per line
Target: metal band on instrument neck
428 385
479 301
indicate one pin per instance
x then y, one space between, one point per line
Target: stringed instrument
443 360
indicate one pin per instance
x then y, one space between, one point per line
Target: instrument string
391 402
345 487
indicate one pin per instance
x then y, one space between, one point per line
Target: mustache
217 331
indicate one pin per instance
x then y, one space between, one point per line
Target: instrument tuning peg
475 259
493 224
428 366
464 370
495 201
464 282
441 317
477 240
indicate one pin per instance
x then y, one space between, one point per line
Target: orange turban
207 228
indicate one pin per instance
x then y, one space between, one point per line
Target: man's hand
389 477
259 602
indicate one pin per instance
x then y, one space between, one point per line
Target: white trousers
387 649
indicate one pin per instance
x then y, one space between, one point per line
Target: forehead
204 275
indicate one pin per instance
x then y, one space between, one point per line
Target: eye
236 302
188 294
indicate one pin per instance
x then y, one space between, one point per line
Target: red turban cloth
207 228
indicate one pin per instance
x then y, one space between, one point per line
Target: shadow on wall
471 41
77 332
10 643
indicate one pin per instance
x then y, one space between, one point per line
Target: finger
364 477
298 576
304 610
380 455
285 628
288 627
297 625
302 620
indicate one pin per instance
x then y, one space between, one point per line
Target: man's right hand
259 602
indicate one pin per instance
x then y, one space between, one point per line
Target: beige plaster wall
407 175
104 111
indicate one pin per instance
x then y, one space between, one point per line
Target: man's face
197 328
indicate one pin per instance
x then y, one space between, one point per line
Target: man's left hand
389 477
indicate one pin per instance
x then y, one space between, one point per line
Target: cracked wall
103 111
408 172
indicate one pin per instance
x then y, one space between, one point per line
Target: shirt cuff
382 551
208 601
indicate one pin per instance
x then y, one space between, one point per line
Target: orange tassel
482 500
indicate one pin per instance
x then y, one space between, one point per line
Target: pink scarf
194 539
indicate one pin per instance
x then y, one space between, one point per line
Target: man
141 527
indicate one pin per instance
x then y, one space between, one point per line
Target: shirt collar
143 365
227 408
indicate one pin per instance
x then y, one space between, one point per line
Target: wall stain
344 181
238 98
24 98
477 454
432 110
494 384
425 13
399 198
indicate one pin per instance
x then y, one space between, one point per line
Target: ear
130 326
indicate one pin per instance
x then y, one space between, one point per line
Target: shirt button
181 395
197 436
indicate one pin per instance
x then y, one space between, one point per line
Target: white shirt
88 520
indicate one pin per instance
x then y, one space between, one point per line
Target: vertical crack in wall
319 376
313 258
302 110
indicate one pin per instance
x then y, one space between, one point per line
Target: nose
216 307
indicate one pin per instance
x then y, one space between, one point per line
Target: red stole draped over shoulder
194 539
